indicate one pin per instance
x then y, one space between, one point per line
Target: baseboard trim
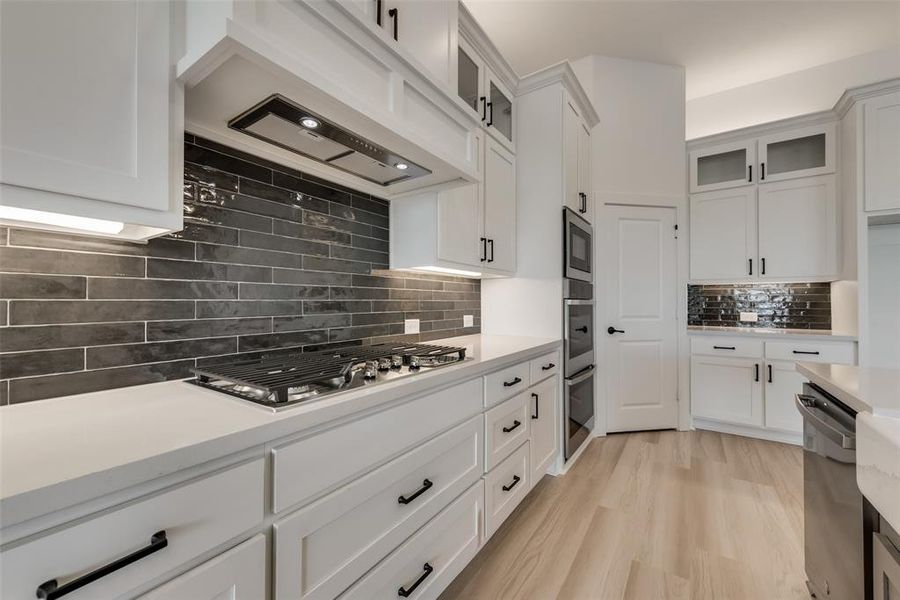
750 431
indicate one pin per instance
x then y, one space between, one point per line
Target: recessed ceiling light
402 166
309 122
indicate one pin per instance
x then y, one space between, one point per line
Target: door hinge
676 231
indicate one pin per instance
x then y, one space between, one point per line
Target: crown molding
561 72
854 95
475 35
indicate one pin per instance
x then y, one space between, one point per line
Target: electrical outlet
749 317
411 326
468 321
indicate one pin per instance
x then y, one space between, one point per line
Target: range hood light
309 123
402 166
27 215
446 271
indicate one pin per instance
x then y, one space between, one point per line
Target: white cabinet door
470 78
882 152
426 30
584 171
727 389
544 407
725 166
723 235
461 219
500 120
799 153
238 574
499 206
798 229
783 382
86 103
571 125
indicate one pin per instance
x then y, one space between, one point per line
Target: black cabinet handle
490 107
724 348
547 367
537 406
491 243
513 382
611 330
50 590
483 108
403 593
814 352
483 249
751 266
582 329
515 481
515 424
756 372
770 373
583 197
395 15
750 173
762 262
426 485
762 171
378 12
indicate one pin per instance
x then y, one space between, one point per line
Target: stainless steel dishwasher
837 518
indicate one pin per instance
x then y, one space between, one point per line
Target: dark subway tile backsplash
270 260
781 305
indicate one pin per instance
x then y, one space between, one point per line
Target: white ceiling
721 44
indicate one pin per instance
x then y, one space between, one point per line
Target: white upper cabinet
470 79
576 161
882 152
798 229
584 171
797 153
723 166
500 207
92 118
500 114
723 235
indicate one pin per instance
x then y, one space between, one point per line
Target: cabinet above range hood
255 71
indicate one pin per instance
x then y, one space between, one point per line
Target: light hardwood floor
696 515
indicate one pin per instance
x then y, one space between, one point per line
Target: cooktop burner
289 379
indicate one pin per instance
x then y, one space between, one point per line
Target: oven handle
806 404
581 376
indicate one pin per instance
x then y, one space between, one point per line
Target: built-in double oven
578 332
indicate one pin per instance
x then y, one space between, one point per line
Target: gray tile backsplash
270 260
784 305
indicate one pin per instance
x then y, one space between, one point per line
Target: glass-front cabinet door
721 167
799 153
470 79
500 116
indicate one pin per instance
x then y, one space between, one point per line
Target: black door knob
611 330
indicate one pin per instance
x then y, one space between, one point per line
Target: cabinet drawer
310 466
334 541
727 346
814 351
506 383
426 563
544 367
505 428
504 488
196 517
238 574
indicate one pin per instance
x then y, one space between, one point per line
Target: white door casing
640 273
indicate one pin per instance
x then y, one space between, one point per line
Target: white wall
638 147
791 95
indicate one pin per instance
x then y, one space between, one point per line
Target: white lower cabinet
424 565
727 389
505 428
238 574
504 488
324 547
783 382
543 402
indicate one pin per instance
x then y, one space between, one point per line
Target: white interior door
639 251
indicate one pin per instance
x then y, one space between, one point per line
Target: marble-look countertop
769 332
59 452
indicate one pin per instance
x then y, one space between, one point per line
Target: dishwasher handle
806 404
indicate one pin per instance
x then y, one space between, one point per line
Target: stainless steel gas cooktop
289 379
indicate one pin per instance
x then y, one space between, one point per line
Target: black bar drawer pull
378 12
491 242
814 352
483 249
426 485
750 173
490 108
724 348
547 367
762 171
537 406
395 15
50 590
404 593
770 373
512 427
751 266
515 381
756 372
762 262
515 482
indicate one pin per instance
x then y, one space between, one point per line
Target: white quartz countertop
864 390
774 333
58 452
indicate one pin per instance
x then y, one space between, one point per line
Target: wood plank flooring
682 515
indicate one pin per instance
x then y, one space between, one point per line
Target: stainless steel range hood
286 124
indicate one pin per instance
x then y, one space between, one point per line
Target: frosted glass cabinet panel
799 153
722 167
470 79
